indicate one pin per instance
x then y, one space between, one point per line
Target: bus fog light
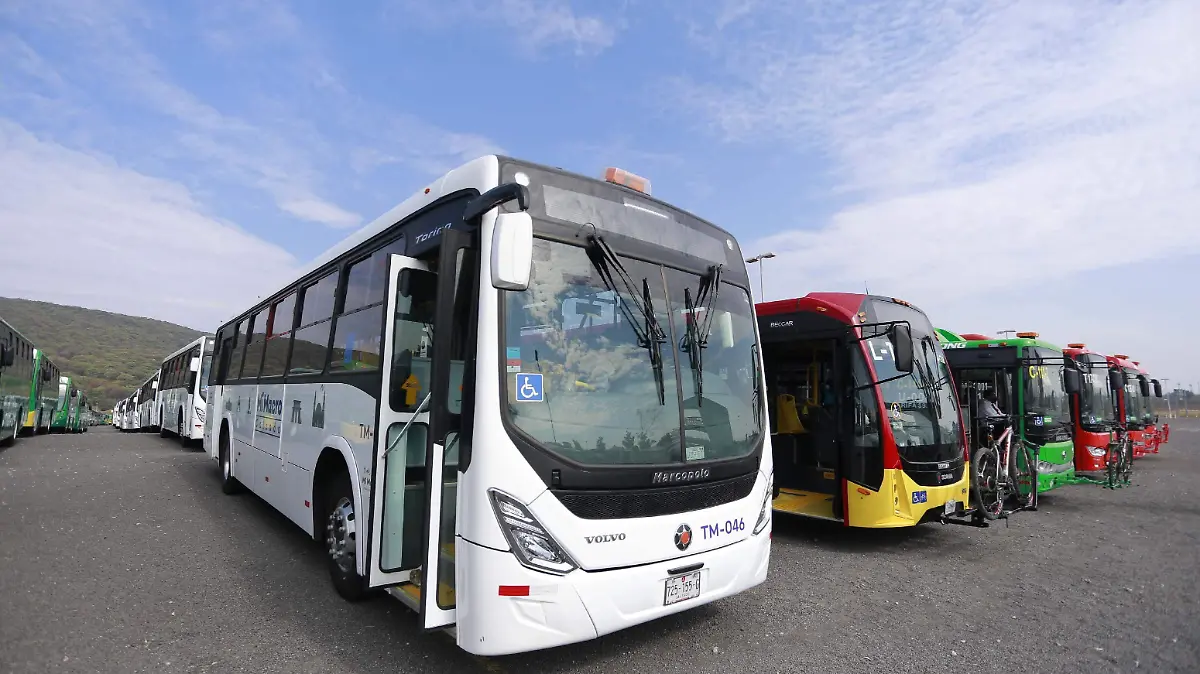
764 513
1096 451
532 545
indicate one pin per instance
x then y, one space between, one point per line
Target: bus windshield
1045 395
1134 402
614 380
1096 398
921 406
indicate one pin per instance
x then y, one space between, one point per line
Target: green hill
107 354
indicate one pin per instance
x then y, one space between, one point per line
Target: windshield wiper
696 335
649 333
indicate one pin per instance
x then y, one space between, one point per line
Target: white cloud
79 229
534 24
986 150
104 41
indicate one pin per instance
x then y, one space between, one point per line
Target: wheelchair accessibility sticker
920 497
529 387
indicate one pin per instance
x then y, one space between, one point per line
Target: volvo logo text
604 538
683 537
666 477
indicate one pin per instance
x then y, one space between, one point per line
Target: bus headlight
764 513
533 546
1096 451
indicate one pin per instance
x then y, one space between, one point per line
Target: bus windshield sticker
529 387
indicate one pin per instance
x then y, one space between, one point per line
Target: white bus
538 393
182 385
147 405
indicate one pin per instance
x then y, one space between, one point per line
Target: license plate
951 507
682 588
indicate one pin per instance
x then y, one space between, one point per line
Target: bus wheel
229 483
341 539
183 439
162 429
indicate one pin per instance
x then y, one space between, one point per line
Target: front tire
183 439
229 483
341 539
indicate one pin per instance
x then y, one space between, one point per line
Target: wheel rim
341 535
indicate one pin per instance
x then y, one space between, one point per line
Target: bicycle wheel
1024 475
985 482
1125 467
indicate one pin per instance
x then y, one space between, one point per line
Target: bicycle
1118 461
1000 475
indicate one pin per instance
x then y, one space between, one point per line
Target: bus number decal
885 349
718 529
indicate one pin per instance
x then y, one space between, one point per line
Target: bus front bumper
583 605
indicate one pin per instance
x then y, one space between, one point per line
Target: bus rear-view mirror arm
512 236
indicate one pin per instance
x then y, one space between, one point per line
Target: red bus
1095 413
1134 403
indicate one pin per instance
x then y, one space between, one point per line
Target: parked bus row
538 408
35 397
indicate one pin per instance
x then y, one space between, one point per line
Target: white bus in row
182 387
147 415
526 403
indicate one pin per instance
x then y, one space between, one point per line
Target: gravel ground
119 553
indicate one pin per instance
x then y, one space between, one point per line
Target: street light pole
758 259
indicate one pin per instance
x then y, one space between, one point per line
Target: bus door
417 448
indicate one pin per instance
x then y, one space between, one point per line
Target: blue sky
972 157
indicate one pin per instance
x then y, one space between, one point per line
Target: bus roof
482 173
188 347
843 306
967 343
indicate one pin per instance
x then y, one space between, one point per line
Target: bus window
412 340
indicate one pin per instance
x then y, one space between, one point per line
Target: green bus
67 406
16 378
43 397
1026 376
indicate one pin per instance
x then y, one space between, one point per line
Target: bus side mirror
900 336
6 356
1144 386
1071 381
74 392
1157 389
512 251
1116 380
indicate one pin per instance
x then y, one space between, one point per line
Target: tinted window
275 356
239 349
308 352
254 346
366 281
318 300
356 340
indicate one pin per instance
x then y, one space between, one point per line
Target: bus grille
927 474
627 504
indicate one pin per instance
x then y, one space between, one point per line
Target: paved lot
119 553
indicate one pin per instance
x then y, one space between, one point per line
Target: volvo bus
864 426
16 379
1026 376
147 405
1103 454
43 394
67 393
526 402
183 385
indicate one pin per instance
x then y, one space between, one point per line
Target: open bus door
414 494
